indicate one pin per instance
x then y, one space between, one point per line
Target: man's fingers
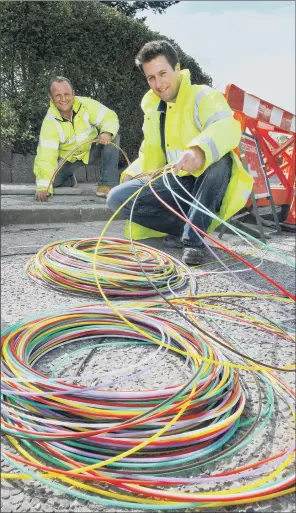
104 139
182 165
41 196
191 161
186 167
178 165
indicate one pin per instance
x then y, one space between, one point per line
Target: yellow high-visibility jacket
200 117
58 136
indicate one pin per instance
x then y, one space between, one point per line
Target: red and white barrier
259 109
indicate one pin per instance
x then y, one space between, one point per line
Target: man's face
62 95
162 78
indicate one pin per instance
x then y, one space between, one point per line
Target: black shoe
172 241
70 181
193 256
73 181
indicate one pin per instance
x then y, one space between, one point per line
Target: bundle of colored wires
134 441
68 266
191 201
120 447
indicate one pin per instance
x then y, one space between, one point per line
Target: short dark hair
153 49
59 79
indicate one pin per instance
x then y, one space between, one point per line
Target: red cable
263 275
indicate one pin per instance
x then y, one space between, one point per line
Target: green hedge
91 44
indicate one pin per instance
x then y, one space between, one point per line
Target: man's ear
177 67
49 96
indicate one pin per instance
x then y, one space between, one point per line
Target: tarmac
29 225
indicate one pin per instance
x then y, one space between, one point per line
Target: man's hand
191 160
42 195
104 138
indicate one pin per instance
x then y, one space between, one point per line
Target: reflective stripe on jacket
200 117
59 136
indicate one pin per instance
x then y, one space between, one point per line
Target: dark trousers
107 155
208 190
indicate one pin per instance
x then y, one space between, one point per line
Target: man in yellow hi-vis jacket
190 127
71 120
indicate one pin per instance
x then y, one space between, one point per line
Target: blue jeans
208 189
109 157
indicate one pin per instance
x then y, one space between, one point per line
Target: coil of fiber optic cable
68 266
100 440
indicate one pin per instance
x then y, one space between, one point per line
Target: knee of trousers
219 170
108 149
114 199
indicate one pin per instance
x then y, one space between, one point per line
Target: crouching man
190 127
70 121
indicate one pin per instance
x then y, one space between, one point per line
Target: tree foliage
91 44
132 8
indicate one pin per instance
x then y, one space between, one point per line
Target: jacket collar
151 102
56 113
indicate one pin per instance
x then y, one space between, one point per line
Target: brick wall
17 168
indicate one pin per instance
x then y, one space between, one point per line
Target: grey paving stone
80 174
27 175
6 156
24 209
5 173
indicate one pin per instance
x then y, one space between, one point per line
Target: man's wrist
201 155
198 150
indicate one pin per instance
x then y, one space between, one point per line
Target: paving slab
74 206
21 189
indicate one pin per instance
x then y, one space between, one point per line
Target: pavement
19 206
69 205
22 298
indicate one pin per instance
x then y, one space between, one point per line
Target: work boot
193 256
172 241
103 190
